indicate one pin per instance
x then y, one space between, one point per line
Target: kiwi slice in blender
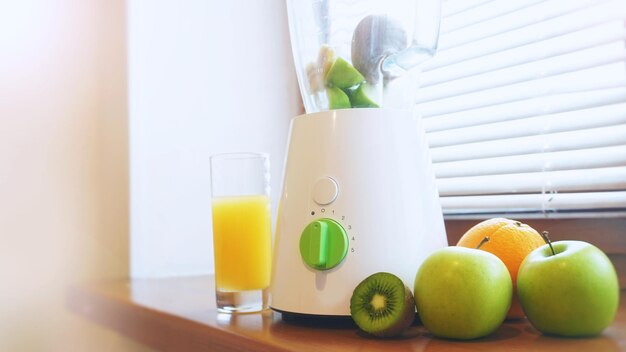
337 99
343 75
382 305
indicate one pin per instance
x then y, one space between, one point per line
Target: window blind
524 106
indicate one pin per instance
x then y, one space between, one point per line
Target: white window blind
524 106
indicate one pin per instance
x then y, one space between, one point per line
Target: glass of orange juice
240 184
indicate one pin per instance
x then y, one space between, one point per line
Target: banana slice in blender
317 71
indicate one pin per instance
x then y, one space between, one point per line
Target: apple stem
546 237
485 240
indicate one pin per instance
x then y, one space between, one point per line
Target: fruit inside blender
362 81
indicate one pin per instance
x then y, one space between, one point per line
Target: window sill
179 314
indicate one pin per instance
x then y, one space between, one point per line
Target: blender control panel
324 242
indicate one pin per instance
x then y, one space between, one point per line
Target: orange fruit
509 240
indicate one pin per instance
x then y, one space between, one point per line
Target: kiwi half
382 305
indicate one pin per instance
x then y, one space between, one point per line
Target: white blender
359 195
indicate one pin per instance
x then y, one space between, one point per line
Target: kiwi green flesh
343 75
337 99
396 313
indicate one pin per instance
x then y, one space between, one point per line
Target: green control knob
323 244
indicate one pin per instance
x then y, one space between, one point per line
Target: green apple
343 75
462 293
572 291
364 96
337 99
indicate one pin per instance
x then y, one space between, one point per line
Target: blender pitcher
360 54
359 195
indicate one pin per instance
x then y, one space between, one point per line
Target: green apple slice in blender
364 96
343 75
337 99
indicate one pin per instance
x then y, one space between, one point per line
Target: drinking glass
240 184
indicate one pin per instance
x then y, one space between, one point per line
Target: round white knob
325 191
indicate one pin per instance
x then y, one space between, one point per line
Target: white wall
63 168
205 77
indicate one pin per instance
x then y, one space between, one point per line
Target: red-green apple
462 293
571 292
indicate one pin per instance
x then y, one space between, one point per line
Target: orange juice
242 242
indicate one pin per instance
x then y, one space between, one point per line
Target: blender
359 195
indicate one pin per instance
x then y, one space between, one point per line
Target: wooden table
179 314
